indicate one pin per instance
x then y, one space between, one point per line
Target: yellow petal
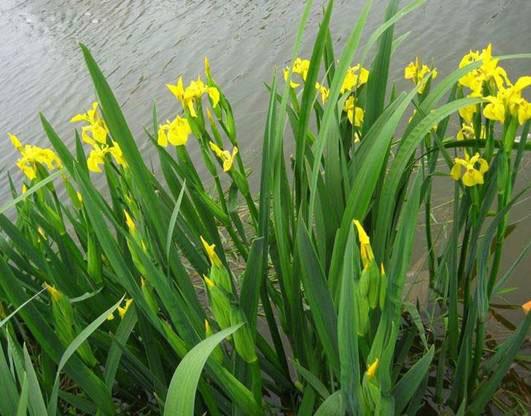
483 166
358 116
456 172
207 67
54 293
191 108
94 160
209 282
162 135
472 177
228 159
522 83
362 235
371 370
211 253
15 141
216 149
129 221
123 311
213 93
410 71
177 90
178 132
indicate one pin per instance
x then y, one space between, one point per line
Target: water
143 44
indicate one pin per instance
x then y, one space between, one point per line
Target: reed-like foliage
191 294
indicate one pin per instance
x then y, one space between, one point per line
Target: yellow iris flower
96 134
31 155
474 169
489 70
509 102
323 91
195 90
355 114
355 77
417 71
224 155
96 131
174 132
300 67
467 132
95 159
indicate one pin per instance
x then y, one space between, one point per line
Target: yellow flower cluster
355 77
177 131
190 95
300 67
31 155
419 73
504 103
474 168
96 134
490 81
487 72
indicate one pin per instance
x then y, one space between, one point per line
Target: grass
183 295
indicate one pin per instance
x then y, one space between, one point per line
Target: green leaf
127 324
8 317
406 388
36 400
181 392
252 282
312 380
71 349
504 356
332 406
329 119
318 297
408 146
8 387
22 407
32 190
173 220
377 82
347 327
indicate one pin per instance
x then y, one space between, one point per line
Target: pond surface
143 44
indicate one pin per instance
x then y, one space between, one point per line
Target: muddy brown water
143 44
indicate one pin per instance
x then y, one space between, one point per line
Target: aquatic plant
189 294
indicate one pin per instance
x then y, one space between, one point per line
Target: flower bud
243 339
217 354
219 303
383 286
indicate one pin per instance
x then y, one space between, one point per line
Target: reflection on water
143 44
